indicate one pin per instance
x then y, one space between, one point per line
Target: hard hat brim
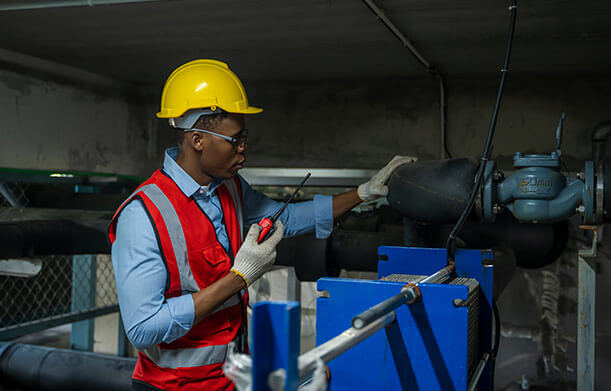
250 110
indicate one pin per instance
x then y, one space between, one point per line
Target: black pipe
357 250
307 255
434 191
534 245
47 237
600 133
352 250
606 164
30 367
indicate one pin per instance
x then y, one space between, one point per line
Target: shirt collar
183 180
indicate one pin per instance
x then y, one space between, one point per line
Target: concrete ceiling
315 39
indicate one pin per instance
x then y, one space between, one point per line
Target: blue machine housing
426 347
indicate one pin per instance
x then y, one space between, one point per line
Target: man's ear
196 140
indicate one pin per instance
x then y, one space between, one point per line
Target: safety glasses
238 141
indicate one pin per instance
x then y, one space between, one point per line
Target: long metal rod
430 68
408 295
33 5
439 275
478 372
340 344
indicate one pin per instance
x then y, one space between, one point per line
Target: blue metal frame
476 264
425 348
276 328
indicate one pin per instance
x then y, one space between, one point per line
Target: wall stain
18 83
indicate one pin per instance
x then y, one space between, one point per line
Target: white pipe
21 6
64 71
431 69
406 42
442 119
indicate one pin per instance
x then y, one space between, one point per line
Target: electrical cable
443 118
497 340
451 242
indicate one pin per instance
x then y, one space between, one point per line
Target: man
181 264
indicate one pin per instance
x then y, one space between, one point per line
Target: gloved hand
376 186
254 259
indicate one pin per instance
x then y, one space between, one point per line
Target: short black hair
210 121
206 121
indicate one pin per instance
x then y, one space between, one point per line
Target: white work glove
376 186
254 259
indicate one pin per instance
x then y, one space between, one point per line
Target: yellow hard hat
204 84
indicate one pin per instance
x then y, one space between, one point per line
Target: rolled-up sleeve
141 275
298 218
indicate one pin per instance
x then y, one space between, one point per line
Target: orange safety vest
194 259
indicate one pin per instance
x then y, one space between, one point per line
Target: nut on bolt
581 175
496 209
498 175
580 209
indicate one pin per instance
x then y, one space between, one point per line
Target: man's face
220 158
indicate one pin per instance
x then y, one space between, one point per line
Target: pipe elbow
601 131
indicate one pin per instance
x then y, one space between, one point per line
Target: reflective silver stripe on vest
129 199
177 236
234 192
187 357
233 300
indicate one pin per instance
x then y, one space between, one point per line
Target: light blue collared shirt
140 273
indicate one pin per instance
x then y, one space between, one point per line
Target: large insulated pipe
434 191
352 250
534 245
600 133
29 367
47 237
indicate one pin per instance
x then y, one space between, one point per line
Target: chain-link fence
66 289
13 194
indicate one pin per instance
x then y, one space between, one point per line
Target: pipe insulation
30 367
48 237
600 133
435 191
314 258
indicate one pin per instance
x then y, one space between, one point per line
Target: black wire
451 242
497 339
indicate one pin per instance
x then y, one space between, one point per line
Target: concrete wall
55 125
351 123
364 123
